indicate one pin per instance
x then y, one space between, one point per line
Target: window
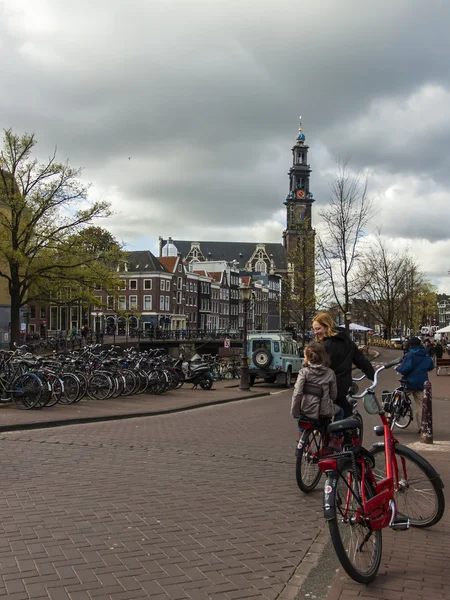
42 313
32 312
110 302
161 303
97 301
123 285
179 283
122 304
167 286
195 287
147 284
97 287
179 297
163 284
133 284
180 268
167 302
261 267
147 303
132 302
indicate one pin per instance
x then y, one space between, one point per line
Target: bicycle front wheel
307 469
357 547
26 391
418 492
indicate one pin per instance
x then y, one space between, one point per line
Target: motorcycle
197 372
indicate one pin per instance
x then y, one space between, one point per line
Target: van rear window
276 346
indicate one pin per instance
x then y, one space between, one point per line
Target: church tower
299 199
298 297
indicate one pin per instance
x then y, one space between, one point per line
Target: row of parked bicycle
42 381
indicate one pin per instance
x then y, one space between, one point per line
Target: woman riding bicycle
343 354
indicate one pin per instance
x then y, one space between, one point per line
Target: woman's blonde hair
315 354
326 321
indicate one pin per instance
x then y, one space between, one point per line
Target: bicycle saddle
344 425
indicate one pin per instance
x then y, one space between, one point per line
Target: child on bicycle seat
315 389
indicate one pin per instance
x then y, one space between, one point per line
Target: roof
216 275
201 272
144 260
169 262
229 251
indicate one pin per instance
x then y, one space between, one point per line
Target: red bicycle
367 491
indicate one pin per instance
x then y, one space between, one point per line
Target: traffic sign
227 343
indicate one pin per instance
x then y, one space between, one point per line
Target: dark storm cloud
204 96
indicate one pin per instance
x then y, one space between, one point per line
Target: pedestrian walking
343 354
414 367
438 350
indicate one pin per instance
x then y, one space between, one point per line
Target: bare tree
391 280
339 247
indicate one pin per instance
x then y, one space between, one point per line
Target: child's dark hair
315 355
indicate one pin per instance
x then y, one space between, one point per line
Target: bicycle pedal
400 525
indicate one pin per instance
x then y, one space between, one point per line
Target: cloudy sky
204 96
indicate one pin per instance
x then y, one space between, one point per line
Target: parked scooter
197 372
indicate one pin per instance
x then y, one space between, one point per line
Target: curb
307 566
120 417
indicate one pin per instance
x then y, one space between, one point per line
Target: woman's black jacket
343 354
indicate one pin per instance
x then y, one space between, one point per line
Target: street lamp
246 294
365 331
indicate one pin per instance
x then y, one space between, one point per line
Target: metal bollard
427 415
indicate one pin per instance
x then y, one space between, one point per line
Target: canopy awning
356 327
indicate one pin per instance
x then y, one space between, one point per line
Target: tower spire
299 198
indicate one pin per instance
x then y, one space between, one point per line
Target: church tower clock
299 199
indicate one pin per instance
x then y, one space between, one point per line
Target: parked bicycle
397 404
367 491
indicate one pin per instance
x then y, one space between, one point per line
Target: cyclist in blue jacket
414 367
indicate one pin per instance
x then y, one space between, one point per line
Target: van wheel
288 382
251 380
271 379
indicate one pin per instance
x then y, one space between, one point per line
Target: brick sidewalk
88 411
196 505
414 564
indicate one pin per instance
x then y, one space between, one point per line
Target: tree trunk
15 318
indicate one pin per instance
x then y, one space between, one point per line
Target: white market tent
443 330
356 327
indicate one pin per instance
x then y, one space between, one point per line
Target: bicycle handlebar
369 389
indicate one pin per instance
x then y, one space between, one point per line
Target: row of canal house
170 294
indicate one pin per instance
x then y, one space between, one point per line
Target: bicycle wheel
404 413
26 390
71 388
57 387
400 414
357 547
418 492
307 469
130 382
99 386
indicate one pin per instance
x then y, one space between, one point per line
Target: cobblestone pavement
197 504
201 504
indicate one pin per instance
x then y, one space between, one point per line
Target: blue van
274 356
